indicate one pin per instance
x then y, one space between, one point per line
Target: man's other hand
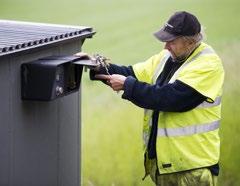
115 81
86 56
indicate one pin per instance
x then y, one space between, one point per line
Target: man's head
180 24
181 34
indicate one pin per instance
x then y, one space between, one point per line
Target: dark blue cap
180 24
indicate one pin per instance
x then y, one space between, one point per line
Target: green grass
111 127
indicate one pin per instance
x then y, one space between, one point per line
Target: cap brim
164 36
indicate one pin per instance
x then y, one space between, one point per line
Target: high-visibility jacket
187 140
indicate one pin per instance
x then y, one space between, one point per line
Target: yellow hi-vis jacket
187 140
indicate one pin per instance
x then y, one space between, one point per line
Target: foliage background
111 127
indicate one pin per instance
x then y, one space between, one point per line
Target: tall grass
111 127
230 129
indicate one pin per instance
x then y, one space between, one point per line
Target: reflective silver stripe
205 104
160 67
147 112
164 60
203 52
145 138
189 130
150 122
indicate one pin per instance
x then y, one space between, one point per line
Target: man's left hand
115 81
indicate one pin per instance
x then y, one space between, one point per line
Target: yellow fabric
192 117
204 73
146 128
144 71
188 152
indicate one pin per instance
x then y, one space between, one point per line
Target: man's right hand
115 81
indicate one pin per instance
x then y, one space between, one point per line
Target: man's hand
115 81
86 56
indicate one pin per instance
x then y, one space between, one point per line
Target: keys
102 61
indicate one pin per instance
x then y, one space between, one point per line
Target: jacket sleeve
114 69
176 97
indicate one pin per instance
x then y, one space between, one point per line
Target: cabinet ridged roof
17 36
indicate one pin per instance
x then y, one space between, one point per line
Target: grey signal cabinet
39 139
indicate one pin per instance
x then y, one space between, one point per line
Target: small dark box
51 77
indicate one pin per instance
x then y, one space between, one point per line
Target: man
180 89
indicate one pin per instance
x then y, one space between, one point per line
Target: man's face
177 47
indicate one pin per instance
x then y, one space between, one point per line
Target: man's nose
166 46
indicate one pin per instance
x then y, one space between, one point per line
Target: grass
229 126
111 127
